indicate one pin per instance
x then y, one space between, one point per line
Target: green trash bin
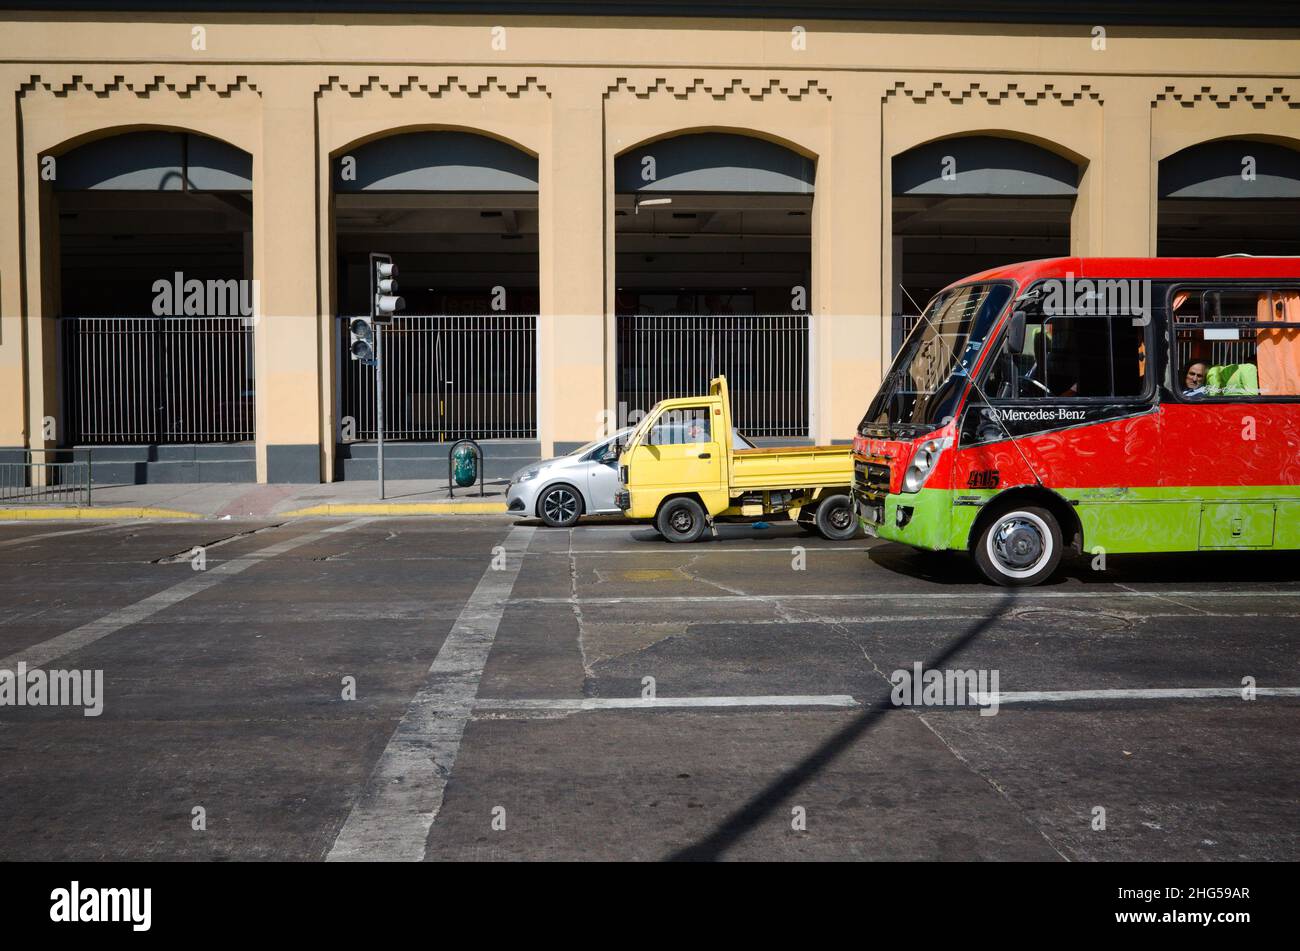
464 465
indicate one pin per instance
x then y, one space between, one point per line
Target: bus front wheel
1018 547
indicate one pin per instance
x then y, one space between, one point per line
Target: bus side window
1069 356
1278 349
1019 374
1129 353
1223 335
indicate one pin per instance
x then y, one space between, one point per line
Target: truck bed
792 467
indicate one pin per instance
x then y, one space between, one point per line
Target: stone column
288 337
849 287
572 332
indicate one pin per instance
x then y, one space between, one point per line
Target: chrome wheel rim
1020 544
560 505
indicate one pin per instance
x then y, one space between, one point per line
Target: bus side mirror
1016 332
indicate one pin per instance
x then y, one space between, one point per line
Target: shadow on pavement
1182 568
757 809
937 567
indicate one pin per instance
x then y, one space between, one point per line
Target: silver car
559 491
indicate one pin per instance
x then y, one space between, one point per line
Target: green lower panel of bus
1120 521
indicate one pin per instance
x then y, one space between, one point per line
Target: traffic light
383 283
361 345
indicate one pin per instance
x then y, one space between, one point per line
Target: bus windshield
927 378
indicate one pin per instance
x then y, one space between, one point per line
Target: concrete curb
400 508
118 512
90 512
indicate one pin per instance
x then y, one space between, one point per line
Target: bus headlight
923 462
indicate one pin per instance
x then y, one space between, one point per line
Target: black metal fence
157 380
445 378
764 357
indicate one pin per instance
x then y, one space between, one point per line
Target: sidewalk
244 500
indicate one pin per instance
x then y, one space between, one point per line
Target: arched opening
963 205
155 303
458 213
713 268
1231 196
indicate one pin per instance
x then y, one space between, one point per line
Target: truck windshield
922 388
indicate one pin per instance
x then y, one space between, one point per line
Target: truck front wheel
835 519
681 520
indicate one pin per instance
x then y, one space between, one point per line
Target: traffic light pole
379 403
384 303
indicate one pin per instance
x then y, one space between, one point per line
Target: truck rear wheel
1020 546
681 520
835 519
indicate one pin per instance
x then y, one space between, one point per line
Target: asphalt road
527 693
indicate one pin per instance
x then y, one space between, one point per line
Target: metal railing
62 478
445 378
764 357
157 379
1191 343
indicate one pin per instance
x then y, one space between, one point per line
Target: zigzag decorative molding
395 87
1239 94
140 84
1012 92
795 92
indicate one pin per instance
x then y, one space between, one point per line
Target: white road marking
782 550
1166 598
833 700
624 527
392 818
670 703
977 595
730 528
1121 693
41 536
916 618
38 655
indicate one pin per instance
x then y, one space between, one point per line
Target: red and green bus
1108 405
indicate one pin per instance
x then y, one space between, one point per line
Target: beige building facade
852 100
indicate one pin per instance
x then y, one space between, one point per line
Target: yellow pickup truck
679 468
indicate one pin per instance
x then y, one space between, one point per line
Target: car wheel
681 520
559 506
1018 547
835 518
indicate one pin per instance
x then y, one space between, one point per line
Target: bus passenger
1194 379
